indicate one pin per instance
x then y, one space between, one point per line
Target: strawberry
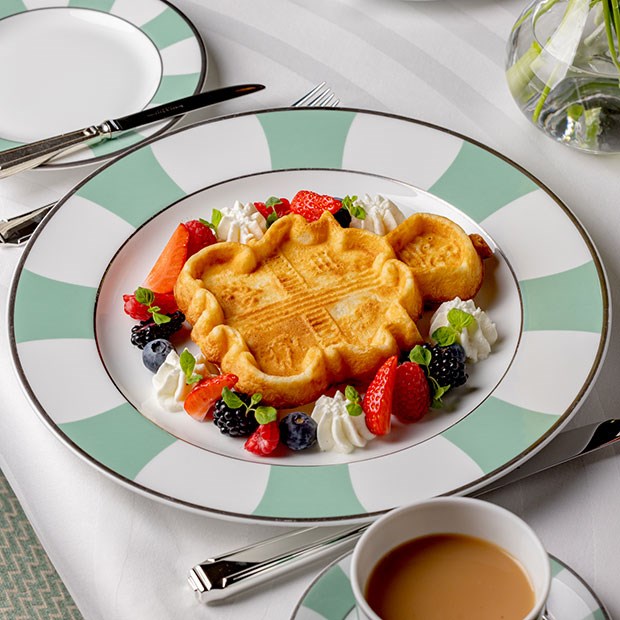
281 207
200 236
140 311
412 394
377 402
167 267
312 205
264 440
205 394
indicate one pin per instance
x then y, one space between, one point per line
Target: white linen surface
123 555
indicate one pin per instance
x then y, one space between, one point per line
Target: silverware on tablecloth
19 229
234 572
34 154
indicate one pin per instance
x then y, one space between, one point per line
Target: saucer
330 597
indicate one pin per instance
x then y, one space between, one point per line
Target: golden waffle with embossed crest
306 306
445 261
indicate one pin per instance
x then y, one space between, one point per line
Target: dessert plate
545 289
75 63
330 597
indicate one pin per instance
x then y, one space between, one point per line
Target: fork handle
19 229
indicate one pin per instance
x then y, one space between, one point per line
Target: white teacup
452 515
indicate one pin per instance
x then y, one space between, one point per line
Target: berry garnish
447 365
206 393
167 267
412 395
298 431
377 402
143 304
145 331
264 440
273 208
155 353
423 355
238 414
312 205
343 217
200 236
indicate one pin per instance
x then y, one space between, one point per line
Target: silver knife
225 575
36 153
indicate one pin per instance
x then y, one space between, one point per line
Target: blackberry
343 217
447 365
148 330
234 422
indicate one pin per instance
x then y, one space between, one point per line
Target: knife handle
31 155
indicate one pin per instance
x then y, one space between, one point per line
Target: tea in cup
450 558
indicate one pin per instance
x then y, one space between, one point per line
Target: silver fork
19 229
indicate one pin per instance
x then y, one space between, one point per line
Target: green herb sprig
458 320
146 297
423 357
354 406
216 218
188 362
263 415
350 204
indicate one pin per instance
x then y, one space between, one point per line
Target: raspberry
136 310
146 331
281 208
264 440
200 236
234 422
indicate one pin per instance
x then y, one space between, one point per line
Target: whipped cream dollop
169 383
337 430
382 215
241 223
476 339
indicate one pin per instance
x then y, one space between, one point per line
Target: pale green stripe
497 431
175 86
10 7
309 492
8 144
121 439
597 615
570 300
306 139
167 28
97 5
479 182
123 141
331 596
46 308
136 187
556 567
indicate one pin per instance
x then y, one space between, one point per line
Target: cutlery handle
31 155
19 229
225 575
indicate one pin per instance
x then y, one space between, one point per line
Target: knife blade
34 154
234 572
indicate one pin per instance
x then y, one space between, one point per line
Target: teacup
453 530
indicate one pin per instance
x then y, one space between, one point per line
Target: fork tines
320 96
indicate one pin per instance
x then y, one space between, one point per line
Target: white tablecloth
125 556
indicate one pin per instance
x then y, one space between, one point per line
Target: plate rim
506 467
166 125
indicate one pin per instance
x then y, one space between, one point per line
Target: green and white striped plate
545 289
330 596
75 63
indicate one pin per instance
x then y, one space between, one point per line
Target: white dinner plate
545 289
68 64
330 596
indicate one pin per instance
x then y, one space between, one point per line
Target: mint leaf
348 203
265 415
350 393
255 399
420 355
437 392
231 399
354 409
144 296
187 362
272 201
193 379
271 218
445 336
159 318
216 218
459 319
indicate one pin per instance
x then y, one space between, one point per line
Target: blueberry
298 431
155 353
343 217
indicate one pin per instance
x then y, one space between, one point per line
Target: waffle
306 306
445 261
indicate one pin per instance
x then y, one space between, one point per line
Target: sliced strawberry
205 394
377 402
200 236
164 301
412 394
312 205
281 208
264 440
166 270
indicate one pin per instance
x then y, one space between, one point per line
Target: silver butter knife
225 575
36 153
